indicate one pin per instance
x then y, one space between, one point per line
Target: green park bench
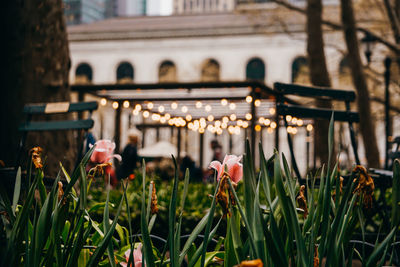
39 118
302 112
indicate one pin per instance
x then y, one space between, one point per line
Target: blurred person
195 173
130 157
217 150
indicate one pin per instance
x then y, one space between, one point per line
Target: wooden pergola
248 100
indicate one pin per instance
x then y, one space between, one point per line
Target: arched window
83 73
300 71
125 73
255 70
167 72
210 71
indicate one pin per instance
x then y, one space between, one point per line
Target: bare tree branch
337 26
382 101
394 21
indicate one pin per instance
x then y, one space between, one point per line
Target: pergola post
201 152
117 135
253 124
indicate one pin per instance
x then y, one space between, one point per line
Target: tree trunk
359 81
37 61
319 75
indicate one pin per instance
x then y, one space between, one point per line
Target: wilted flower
154 207
102 155
301 201
104 152
235 168
365 185
221 195
316 258
37 157
60 192
137 257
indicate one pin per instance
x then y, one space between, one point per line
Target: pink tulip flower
137 255
104 152
235 168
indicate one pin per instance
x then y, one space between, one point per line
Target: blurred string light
267 122
257 102
272 111
245 124
103 102
161 109
210 118
163 119
248 116
299 122
146 114
138 107
150 105
174 105
273 125
115 105
126 104
261 120
155 117
257 128
224 102
188 117
288 118
249 99
167 116
309 127
232 106
232 117
199 104
269 130
208 108
135 112
201 130
225 119
184 109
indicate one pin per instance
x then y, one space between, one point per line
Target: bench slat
56 125
73 107
302 112
311 91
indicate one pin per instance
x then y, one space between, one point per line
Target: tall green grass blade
196 231
377 253
147 246
235 232
264 176
249 181
289 214
396 194
149 203
207 233
17 190
258 226
102 246
244 218
106 225
83 184
172 217
199 251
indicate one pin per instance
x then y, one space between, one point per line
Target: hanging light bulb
237 130
249 99
217 123
201 130
232 117
232 106
103 102
155 117
257 128
150 105
224 102
248 116
146 114
167 116
288 118
115 105
210 118
208 108
272 111
225 119
273 125
257 102
174 105
188 117
300 122
199 104
239 123
261 120
184 109
138 107
224 125
245 124
161 109
126 104
135 112
219 131
309 127
163 119
267 122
